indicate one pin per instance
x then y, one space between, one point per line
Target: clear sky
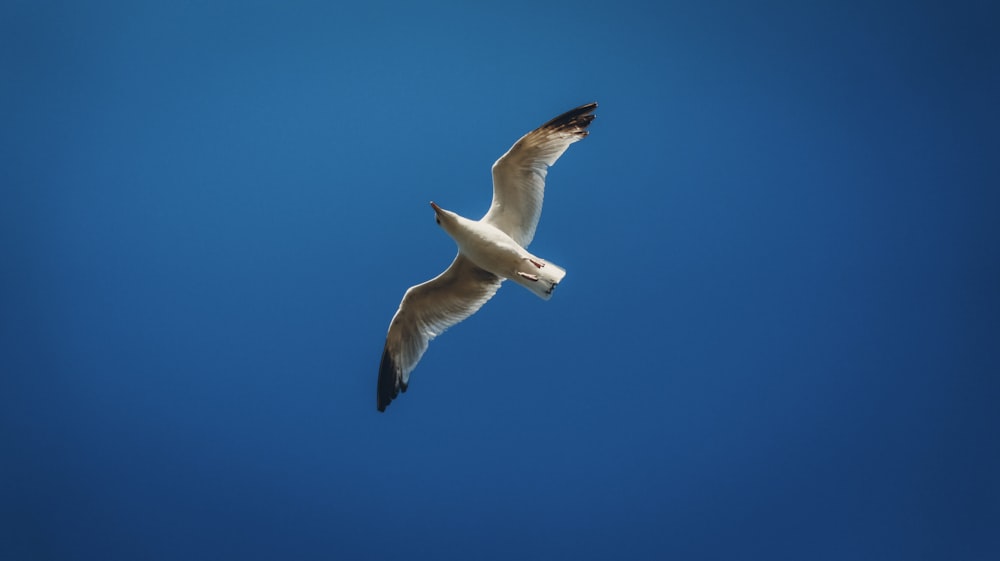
777 338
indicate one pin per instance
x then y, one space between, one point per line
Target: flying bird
490 250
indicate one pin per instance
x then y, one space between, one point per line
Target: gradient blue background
778 337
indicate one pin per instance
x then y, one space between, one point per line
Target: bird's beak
435 207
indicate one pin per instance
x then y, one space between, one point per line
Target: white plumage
490 250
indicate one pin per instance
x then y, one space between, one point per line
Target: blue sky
777 338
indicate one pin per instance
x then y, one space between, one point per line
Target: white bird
490 250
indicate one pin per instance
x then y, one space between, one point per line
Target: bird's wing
426 311
519 175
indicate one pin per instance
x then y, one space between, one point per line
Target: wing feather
519 175
427 310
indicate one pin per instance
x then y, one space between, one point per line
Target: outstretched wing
426 311
519 175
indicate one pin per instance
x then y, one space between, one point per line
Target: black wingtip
575 120
388 381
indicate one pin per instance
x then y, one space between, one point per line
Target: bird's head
445 218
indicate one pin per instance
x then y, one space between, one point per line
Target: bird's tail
540 280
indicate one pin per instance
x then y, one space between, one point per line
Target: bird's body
486 245
490 250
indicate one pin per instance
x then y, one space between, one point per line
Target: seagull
490 250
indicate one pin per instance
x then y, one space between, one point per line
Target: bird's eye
438 220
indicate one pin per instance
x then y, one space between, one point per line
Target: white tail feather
540 280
